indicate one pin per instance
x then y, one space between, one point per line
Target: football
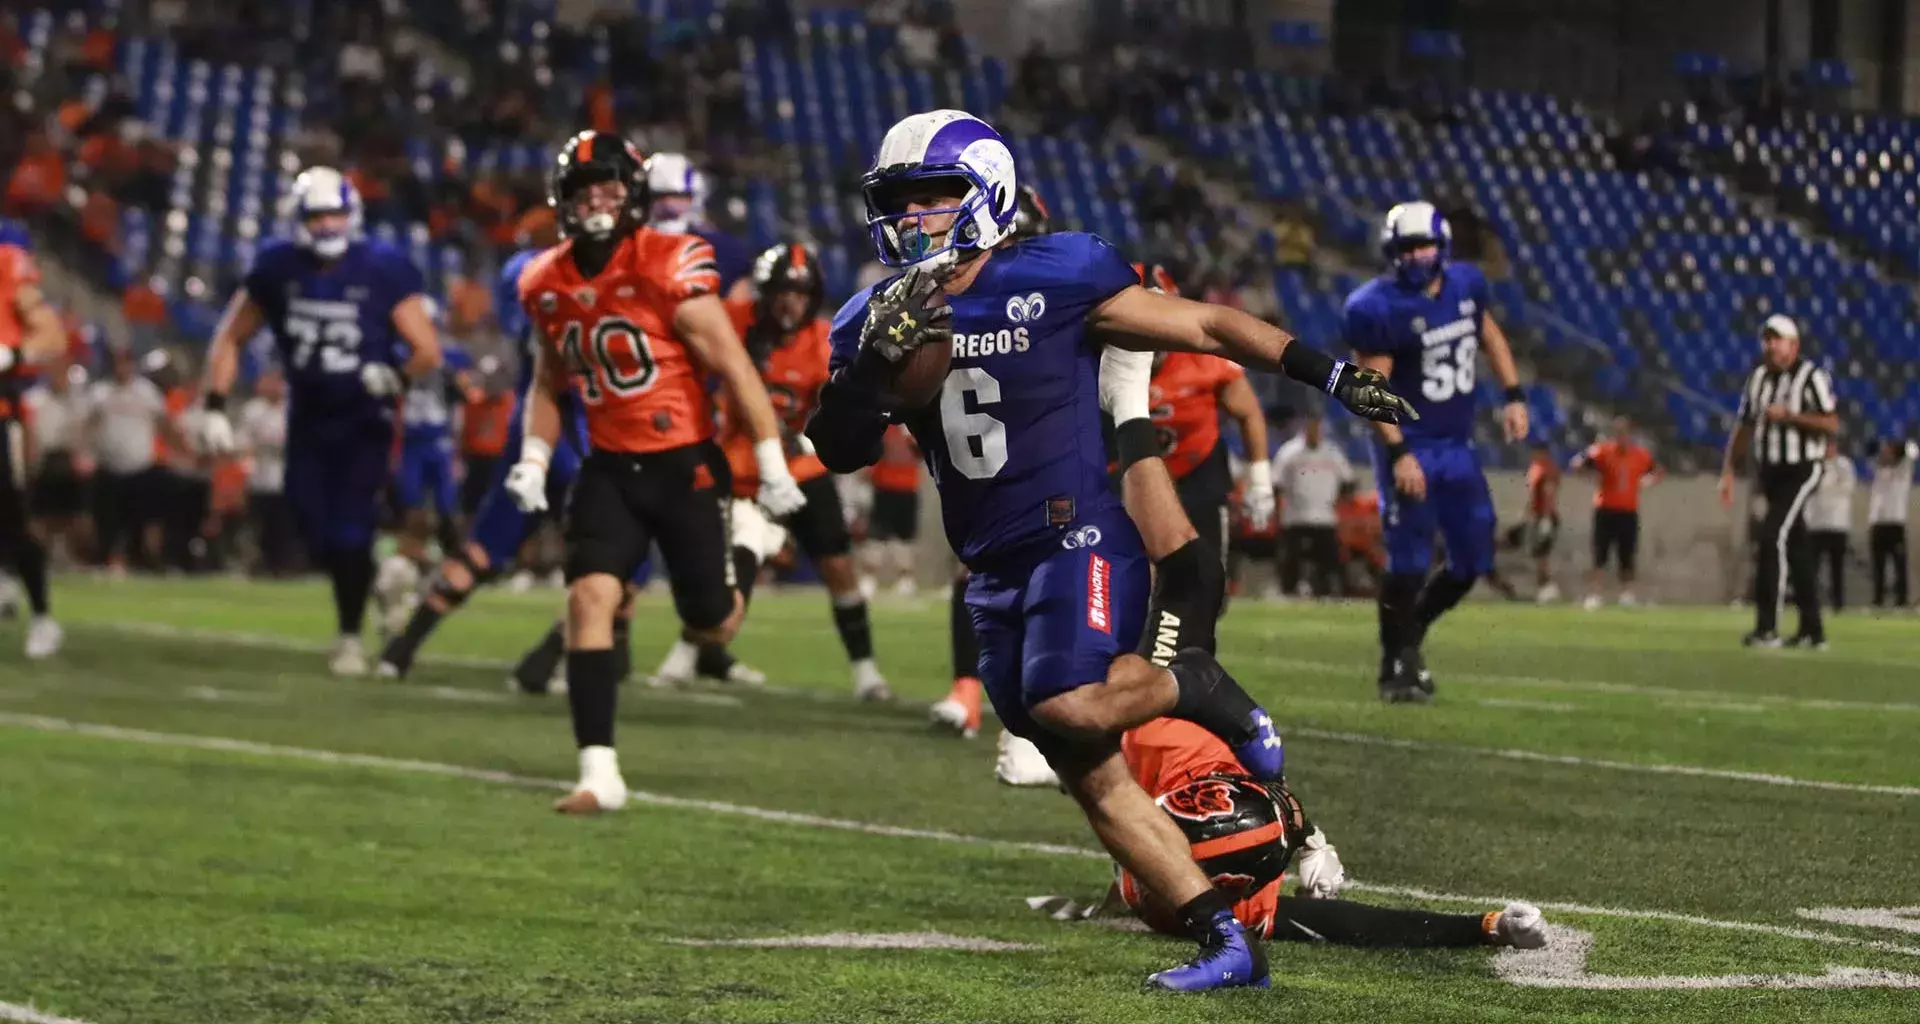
916 380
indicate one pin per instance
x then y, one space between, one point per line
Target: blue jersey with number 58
330 319
1434 342
1013 441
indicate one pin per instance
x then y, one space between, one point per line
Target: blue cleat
1264 756
1229 958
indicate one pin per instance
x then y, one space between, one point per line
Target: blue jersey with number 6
328 320
1434 342
1013 441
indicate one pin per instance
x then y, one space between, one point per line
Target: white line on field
1562 963
29 1015
1707 698
1728 774
45 723
268 642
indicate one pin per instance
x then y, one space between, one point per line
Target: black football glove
910 313
1365 392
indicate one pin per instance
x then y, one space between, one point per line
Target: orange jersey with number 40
641 387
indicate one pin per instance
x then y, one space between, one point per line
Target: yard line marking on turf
1573 760
867 940
45 723
215 695
29 1015
1555 706
1364 739
269 642
1563 964
1706 697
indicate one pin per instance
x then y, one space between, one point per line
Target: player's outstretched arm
1144 319
702 322
412 319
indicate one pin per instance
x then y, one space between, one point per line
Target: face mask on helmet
327 243
325 212
593 206
1417 262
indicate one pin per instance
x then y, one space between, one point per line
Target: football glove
1318 864
911 312
1259 501
7 358
1365 392
216 434
381 380
527 481
779 494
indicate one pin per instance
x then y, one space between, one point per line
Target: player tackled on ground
994 350
1423 325
630 315
787 339
351 326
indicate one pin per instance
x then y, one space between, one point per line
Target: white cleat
1592 603
43 637
1322 876
676 669
868 683
742 674
521 582
347 658
948 713
9 597
1548 594
386 670
1627 600
1522 926
905 587
600 789
1020 763
395 592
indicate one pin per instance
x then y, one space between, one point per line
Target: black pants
1830 552
123 506
273 533
1888 546
1786 551
478 481
188 499
1311 553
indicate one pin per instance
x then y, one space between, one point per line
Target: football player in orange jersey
1244 833
1189 392
787 339
628 318
30 332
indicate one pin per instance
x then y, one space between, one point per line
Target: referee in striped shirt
1787 417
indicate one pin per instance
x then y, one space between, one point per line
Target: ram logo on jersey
1021 309
1000 342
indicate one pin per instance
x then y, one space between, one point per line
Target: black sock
447 532
1437 598
856 633
420 625
1188 588
1210 698
32 564
746 572
713 662
352 572
536 666
966 646
1199 913
592 696
1399 594
622 649
1345 923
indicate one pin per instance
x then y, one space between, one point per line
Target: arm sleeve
848 427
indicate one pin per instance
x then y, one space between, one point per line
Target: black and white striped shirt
1802 388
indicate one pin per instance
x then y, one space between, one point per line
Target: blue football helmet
940 144
1411 226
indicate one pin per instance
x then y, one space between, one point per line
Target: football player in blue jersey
1060 574
351 326
425 490
499 528
677 204
1424 324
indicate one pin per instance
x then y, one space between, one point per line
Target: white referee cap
1782 325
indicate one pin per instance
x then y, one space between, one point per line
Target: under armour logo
1264 724
906 324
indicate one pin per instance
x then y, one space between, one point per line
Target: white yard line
45 723
1705 698
28 1015
268 642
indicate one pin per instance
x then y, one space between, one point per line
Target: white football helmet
679 193
1411 226
940 144
322 190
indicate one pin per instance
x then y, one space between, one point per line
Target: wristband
1517 393
532 449
215 402
1133 441
1259 476
770 456
1395 450
1310 366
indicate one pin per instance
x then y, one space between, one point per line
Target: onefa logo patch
1099 598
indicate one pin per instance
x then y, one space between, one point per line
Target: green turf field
198 825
